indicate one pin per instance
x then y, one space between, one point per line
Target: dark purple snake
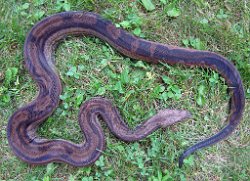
38 52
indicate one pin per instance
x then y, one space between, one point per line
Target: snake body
38 53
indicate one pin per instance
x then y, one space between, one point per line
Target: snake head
168 117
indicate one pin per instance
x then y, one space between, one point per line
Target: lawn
89 67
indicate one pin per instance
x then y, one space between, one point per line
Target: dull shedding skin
38 52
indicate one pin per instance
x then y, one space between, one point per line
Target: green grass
89 67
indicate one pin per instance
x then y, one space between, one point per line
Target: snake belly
38 53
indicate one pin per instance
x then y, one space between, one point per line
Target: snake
39 46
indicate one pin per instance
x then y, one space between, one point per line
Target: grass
89 67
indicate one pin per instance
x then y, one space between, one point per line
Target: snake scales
39 46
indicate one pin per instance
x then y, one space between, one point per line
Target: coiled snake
38 49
